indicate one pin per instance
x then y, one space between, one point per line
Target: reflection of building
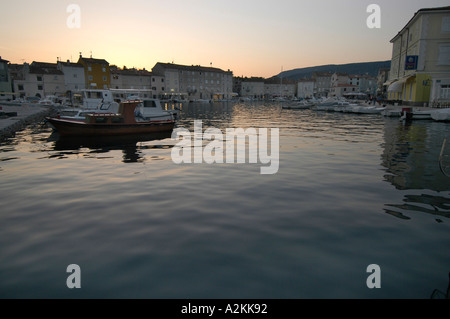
195 82
420 65
411 154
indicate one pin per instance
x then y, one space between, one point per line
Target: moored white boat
124 122
146 110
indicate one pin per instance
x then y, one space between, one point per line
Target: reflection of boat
441 115
332 104
410 114
360 109
91 146
298 105
122 123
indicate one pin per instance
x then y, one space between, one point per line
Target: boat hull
77 128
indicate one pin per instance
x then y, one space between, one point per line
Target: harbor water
350 191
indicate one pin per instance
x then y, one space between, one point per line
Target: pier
15 117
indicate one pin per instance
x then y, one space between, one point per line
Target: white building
323 83
252 88
195 82
38 79
420 64
130 79
305 88
73 75
275 87
341 86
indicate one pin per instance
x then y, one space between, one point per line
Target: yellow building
420 64
96 73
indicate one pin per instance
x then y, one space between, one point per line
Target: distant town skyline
251 38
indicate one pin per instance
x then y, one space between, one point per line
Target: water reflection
411 153
131 146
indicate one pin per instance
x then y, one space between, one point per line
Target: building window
446 24
153 79
89 68
39 78
162 79
90 78
55 77
75 76
162 89
20 87
445 92
104 69
104 79
40 87
444 54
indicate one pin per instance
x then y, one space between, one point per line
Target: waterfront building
73 75
158 86
382 77
366 84
252 88
5 81
277 87
130 78
322 84
237 84
306 88
96 73
420 64
341 85
195 82
38 79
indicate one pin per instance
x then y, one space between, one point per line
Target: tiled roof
94 61
44 68
197 68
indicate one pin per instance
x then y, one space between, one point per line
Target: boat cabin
125 115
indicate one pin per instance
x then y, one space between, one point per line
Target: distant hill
370 68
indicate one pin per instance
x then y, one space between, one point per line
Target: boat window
149 104
101 120
117 120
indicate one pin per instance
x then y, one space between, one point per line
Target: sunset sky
251 38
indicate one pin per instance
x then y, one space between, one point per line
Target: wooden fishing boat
122 123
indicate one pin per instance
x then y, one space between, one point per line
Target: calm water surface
351 190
